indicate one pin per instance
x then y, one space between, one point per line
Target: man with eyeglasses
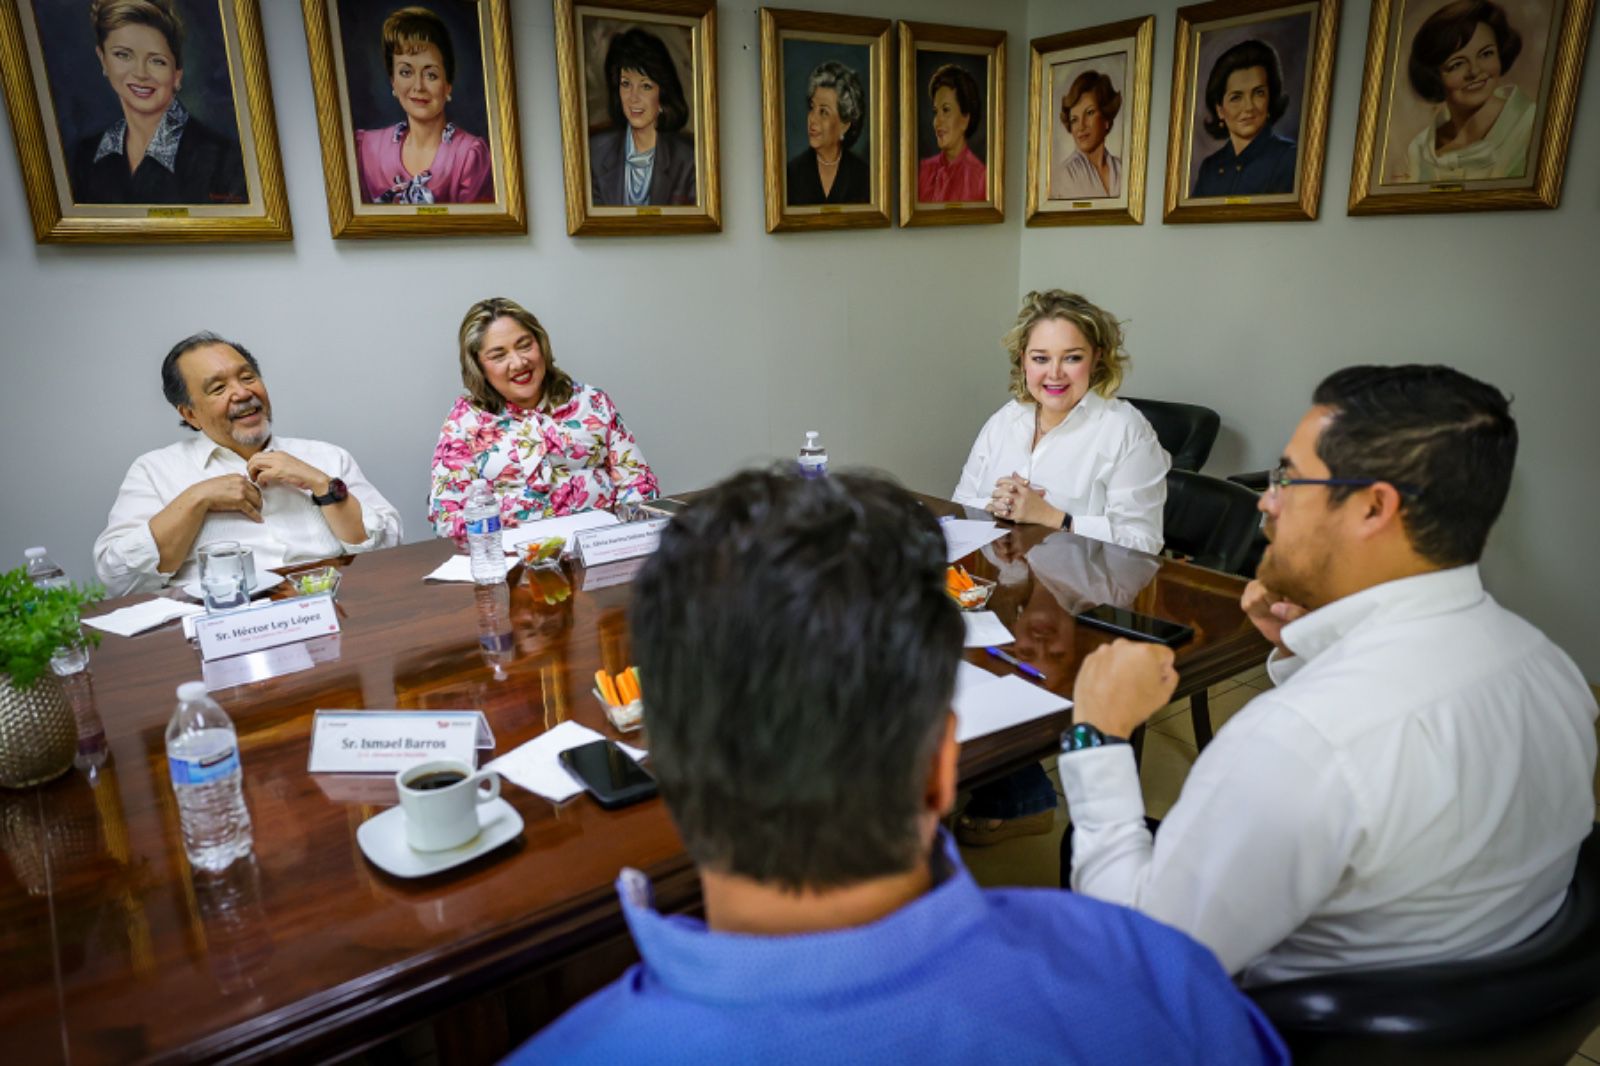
1416 786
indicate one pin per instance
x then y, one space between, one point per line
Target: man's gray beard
252 438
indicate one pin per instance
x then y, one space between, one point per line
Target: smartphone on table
1136 626
609 774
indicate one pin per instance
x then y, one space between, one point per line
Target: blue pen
1006 657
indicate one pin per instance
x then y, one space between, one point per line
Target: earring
449 98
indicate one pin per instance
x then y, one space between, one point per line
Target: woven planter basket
38 734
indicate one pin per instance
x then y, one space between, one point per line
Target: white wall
720 349
1247 318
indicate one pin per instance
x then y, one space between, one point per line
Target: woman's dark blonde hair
480 316
159 15
409 30
1100 328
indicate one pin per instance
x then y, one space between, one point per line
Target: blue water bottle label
204 770
490 524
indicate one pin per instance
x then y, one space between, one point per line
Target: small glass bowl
977 597
544 553
315 582
626 718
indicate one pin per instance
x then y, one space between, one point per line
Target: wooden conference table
112 951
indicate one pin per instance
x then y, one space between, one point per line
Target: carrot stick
608 688
625 686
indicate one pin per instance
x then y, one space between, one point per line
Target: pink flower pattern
578 457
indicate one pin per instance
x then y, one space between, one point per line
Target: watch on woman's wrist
1083 735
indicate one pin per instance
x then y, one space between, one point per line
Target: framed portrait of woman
1467 105
417 113
825 115
1089 124
144 120
1250 87
638 86
952 125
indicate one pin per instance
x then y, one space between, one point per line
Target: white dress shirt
1102 465
1414 790
292 530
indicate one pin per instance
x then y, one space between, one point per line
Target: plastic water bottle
45 574
203 759
483 535
813 456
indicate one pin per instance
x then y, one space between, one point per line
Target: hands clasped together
1016 500
236 492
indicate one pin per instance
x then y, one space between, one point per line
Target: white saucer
383 841
266 581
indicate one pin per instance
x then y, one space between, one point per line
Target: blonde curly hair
1099 327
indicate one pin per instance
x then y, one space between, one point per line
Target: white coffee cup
441 800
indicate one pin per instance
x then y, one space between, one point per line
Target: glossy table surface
114 951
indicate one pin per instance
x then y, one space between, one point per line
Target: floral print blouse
578 457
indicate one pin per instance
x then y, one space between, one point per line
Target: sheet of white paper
457 568
536 766
565 526
138 617
969 677
984 629
1000 703
963 536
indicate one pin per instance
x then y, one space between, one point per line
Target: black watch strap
1083 735
337 493
1066 521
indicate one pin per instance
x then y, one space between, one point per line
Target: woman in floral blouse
549 445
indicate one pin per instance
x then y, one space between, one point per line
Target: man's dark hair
797 652
1446 31
173 387
642 51
1243 56
1449 436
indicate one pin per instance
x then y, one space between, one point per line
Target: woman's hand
1016 499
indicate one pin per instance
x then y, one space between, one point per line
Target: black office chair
1531 1004
1214 523
1187 431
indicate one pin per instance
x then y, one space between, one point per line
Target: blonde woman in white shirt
1065 453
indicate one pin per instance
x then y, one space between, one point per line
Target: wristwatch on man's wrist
1083 735
337 493
1066 521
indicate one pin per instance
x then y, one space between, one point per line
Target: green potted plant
38 734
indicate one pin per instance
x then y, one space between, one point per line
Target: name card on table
268 626
627 541
381 742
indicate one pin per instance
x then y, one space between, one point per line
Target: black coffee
437 779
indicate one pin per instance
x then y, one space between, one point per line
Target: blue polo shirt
960 975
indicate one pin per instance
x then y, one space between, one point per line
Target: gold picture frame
1492 172
1222 168
680 190
1103 70
926 52
474 184
846 57
212 171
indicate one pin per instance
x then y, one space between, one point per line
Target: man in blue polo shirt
798 655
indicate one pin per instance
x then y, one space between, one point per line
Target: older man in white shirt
289 500
1416 787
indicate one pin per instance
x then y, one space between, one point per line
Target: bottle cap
33 553
191 691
